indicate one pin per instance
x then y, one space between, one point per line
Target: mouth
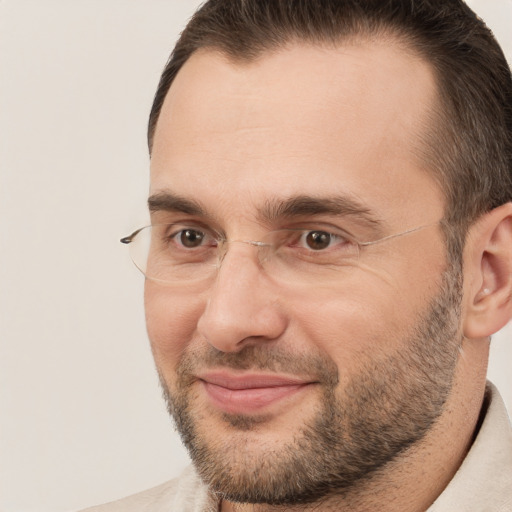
250 393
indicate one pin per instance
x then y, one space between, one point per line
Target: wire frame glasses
180 254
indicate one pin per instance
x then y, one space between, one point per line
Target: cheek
171 320
348 329
369 316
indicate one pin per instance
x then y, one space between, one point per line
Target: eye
184 238
318 240
190 238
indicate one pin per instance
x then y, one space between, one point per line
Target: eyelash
300 241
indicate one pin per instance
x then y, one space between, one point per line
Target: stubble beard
386 408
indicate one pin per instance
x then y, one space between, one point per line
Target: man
330 251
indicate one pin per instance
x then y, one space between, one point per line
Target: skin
320 122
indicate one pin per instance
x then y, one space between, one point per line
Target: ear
488 274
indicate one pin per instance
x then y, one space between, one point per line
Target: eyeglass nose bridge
224 244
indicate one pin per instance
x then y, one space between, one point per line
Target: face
287 382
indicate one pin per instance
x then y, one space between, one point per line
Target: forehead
304 119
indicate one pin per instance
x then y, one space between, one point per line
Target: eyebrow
275 209
303 205
170 202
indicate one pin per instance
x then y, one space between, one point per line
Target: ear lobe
488 272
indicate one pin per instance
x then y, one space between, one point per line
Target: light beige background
81 419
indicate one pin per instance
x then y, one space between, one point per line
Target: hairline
386 33
434 123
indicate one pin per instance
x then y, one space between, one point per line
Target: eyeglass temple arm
129 239
396 235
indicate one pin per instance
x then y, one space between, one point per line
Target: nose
243 306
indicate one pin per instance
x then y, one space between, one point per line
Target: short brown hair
469 147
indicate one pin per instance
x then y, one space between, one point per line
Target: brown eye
191 238
318 240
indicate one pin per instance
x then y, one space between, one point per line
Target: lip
249 393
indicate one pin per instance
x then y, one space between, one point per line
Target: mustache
260 357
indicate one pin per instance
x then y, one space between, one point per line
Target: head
367 121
